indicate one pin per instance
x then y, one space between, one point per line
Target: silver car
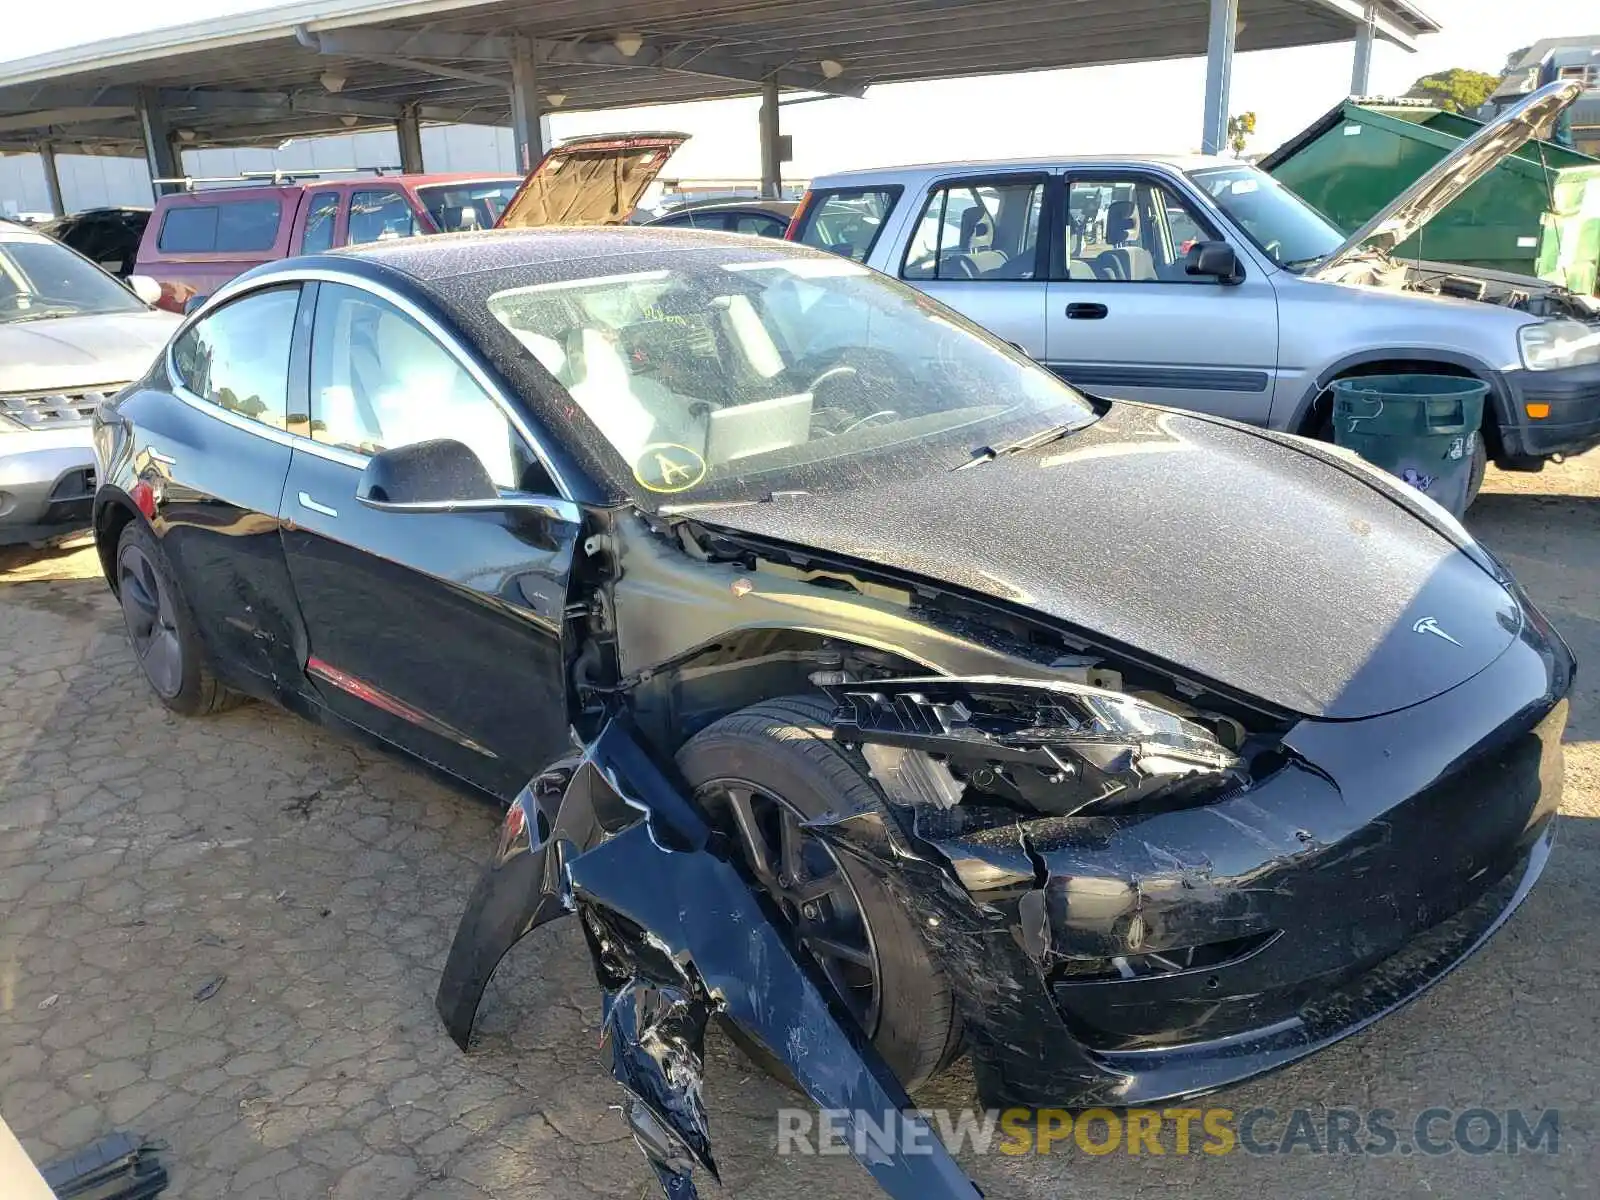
70 336
1204 284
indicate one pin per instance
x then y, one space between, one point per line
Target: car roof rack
279 176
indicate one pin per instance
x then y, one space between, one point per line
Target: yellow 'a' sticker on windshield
668 467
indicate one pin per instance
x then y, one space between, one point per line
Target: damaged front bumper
1126 909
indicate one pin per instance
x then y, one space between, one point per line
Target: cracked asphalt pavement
225 934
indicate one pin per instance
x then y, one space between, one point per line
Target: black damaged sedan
851 678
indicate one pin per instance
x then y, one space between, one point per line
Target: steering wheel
961 261
1274 250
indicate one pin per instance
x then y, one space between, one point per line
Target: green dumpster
1361 155
1422 428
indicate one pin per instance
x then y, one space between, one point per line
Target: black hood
1223 552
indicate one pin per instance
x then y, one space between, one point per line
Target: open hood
1532 119
594 180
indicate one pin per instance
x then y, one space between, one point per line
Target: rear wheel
162 628
761 772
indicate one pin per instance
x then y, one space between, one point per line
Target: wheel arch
1312 409
114 510
746 666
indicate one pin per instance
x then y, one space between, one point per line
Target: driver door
440 632
976 246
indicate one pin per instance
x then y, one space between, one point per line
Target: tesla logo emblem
1429 625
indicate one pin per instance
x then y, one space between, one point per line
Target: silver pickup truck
1203 283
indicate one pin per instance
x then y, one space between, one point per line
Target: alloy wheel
152 624
801 873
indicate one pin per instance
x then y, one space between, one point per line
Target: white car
70 336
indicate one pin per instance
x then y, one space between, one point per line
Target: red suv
196 241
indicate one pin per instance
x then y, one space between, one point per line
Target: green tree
1458 89
1240 129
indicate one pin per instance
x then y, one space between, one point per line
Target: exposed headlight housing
1551 345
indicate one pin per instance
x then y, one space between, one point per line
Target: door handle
1086 312
307 502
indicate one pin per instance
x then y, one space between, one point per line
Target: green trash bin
1423 428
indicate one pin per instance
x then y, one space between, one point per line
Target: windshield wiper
1033 441
47 316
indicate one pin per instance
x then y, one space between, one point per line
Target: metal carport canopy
335 65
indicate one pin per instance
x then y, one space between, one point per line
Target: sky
1132 108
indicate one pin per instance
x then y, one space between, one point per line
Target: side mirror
1216 260
146 289
437 476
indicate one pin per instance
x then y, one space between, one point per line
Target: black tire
162 628
786 749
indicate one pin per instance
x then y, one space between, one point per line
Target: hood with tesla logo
1229 555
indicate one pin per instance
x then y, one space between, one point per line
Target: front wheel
761 772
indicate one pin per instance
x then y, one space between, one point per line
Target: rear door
216 463
440 632
976 247
1125 321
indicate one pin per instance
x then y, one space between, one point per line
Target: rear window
234 226
847 221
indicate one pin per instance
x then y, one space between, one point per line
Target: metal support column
408 131
1219 74
771 140
159 154
527 127
52 180
1361 69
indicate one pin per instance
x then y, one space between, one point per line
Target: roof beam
414 49
61 116
1383 22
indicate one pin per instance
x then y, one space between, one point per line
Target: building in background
1545 62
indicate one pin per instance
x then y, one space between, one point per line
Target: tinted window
1132 230
240 225
847 221
380 216
40 278
379 380
238 356
978 231
759 224
320 219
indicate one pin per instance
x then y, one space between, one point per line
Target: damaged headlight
1551 345
1057 748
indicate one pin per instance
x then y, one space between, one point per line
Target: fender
678 935
1499 395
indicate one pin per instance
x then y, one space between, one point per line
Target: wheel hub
801 873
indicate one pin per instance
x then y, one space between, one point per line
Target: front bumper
47 483
1573 423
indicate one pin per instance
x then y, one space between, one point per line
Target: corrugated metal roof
83 97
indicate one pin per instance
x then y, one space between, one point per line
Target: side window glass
379 380
848 221
759 225
380 216
320 219
978 231
1130 231
238 357
232 226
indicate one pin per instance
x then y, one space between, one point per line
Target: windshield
40 279
731 380
1285 227
476 205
